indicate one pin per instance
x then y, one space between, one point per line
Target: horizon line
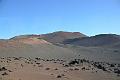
9 37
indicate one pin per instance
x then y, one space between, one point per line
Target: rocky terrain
13 68
60 56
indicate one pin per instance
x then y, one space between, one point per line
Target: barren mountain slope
33 47
60 36
103 54
98 40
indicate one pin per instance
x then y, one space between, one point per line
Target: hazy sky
43 16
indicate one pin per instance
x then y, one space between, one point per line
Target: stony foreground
12 68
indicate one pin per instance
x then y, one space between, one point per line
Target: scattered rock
83 68
5 74
73 62
112 65
76 69
47 69
9 71
56 68
116 71
3 69
59 76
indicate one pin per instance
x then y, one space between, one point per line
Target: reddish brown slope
60 36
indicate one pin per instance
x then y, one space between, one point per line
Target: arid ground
60 56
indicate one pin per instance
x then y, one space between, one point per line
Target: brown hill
60 36
32 47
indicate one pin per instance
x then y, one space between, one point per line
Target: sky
90 17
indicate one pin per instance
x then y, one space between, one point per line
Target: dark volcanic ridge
98 40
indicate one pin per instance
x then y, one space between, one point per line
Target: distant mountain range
76 38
